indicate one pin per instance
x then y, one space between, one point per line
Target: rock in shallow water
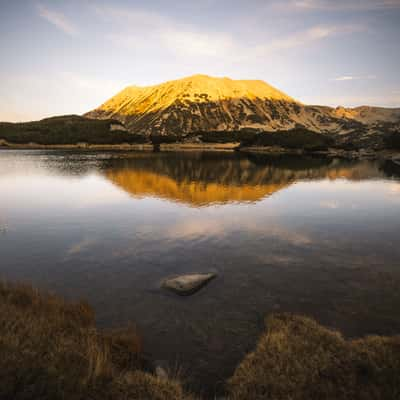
185 285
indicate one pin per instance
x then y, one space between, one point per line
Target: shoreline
123 146
286 339
78 146
364 154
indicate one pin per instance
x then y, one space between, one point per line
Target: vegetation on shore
227 136
297 138
393 140
68 129
300 360
71 130
50 349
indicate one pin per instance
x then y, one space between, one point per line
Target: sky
68 57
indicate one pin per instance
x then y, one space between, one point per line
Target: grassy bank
298 359
51 349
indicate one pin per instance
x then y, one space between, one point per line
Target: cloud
197 43
345 5
188 41
345 78
302 39
305 37
58 20
379 100
353 78
183 43
175 36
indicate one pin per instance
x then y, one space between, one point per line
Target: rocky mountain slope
202 103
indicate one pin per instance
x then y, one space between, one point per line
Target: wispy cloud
379 100
353 78
345 78
198 43
346 5
193 41
57 19
306 37
172 35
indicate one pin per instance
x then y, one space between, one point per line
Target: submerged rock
161 373
185 285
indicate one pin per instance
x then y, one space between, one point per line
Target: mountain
201 103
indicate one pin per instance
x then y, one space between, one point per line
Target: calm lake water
313 236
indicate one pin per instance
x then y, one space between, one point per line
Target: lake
314 236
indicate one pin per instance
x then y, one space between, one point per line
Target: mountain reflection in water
206 179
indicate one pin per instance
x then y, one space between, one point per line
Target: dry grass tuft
50 349
298 359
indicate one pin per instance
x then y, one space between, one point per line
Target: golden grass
297 359
50 349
